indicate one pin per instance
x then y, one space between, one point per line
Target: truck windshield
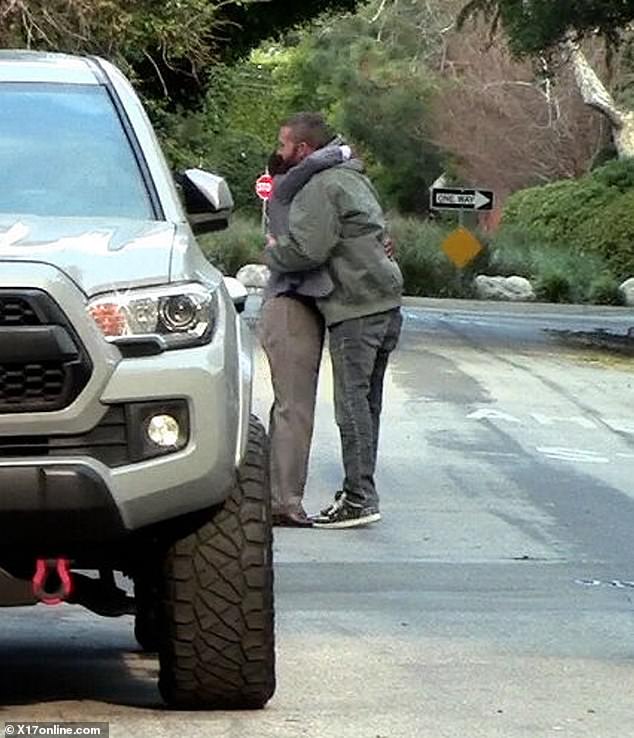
64 152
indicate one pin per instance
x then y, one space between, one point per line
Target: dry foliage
509 124
126 31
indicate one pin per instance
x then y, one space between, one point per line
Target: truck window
64 152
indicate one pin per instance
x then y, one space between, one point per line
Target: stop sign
264 186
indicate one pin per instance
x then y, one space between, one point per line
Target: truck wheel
217 645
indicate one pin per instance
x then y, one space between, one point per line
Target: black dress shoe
292 520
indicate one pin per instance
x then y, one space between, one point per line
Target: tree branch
379 11
158 72
593 91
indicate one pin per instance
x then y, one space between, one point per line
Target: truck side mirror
237 292
207 199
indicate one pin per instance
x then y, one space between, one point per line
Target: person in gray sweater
291 331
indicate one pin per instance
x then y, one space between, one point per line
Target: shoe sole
357 523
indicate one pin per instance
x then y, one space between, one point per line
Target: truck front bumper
41 502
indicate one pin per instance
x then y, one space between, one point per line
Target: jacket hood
97 254
356 165
353 162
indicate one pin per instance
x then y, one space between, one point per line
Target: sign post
461 246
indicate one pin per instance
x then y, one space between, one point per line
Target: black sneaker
339 497
344 514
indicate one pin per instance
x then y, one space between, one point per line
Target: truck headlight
180 315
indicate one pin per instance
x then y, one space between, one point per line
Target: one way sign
448 198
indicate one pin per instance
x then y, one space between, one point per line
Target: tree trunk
595 94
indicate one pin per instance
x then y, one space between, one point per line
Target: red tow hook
52 581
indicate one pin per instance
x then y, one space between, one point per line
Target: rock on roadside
254 277
627 291
513 289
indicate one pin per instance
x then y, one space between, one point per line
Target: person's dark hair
276 165
311 128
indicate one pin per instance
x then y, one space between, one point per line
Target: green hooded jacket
336 220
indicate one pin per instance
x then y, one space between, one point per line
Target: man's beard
293 160
285 164
278 165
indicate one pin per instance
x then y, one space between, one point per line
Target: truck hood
99 255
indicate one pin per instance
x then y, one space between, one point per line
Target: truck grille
17 311
42 382
107 442
43 364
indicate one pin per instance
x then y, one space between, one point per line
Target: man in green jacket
336 220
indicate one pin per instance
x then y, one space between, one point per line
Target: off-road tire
217 641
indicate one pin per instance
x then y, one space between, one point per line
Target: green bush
611 234
559 273
554 285
593 215
426 269
240 244
604 290
618 173
512 253
233 133
237 156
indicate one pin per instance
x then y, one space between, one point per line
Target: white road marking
490 414
557 453
504 454
576 419
572 454
618 583
621 425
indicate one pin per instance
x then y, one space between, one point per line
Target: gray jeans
359 350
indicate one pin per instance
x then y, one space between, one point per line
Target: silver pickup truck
127 444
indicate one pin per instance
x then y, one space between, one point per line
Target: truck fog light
164 431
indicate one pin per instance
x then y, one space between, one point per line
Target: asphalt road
496 597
